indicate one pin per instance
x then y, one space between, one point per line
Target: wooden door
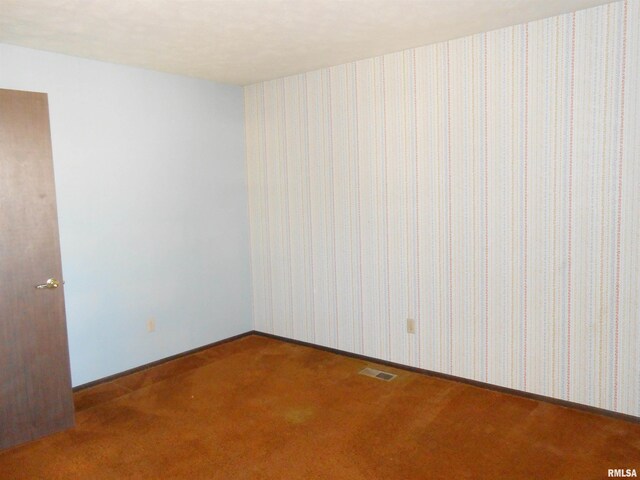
35 381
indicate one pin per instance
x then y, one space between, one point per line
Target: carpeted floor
258 408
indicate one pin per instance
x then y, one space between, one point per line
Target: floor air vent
372 372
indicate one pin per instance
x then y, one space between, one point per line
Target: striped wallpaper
487 187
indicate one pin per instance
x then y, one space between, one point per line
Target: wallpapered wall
488 187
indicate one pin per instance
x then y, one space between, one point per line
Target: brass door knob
51 283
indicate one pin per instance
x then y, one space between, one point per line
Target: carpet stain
298 416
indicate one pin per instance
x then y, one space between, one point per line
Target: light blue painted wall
152 205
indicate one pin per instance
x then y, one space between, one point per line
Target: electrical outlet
151 325
411 325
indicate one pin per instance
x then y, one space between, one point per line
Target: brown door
35 382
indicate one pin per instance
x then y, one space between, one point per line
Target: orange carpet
258 408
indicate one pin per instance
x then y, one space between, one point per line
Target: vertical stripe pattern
487 187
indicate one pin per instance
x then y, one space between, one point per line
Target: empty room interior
331 239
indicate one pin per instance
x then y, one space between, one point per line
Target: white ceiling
247 41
